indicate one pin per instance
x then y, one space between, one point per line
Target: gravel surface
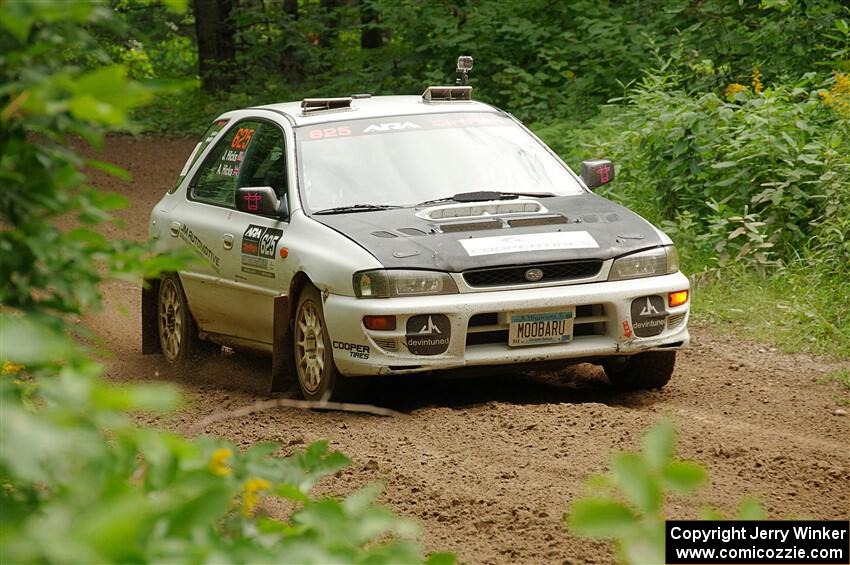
488 464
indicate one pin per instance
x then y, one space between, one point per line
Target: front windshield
405 160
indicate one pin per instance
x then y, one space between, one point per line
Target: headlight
384 284
659 261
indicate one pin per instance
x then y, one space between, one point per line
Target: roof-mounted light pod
310 105
447 94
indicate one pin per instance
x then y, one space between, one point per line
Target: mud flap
281 348
150 330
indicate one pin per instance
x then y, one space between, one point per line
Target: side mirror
596 173
261 200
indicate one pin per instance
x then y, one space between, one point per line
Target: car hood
565 228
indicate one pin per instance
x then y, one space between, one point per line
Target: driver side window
252 153
265 163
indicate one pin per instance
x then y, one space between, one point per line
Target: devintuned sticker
649 317
428 334
527 243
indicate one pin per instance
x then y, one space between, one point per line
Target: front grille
386 344
552 272
675 320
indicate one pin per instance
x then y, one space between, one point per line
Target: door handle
175 229
227 241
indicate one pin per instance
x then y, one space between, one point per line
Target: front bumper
479 325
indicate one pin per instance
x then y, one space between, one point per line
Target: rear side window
252 153
199 149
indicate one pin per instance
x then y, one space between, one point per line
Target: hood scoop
449 212
492 224
538 221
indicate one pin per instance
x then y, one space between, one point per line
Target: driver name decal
258 250
528 243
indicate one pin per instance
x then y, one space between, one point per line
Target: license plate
538 328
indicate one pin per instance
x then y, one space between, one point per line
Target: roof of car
376 107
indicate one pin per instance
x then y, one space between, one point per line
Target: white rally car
403 234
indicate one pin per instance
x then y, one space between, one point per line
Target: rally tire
644 371
178 334
312 354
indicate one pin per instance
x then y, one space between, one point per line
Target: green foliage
539 60
816 297
754 178
753 188
627 504
82 483
79 481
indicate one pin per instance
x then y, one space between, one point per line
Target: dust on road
489 464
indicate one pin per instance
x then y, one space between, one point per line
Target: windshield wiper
483 195
356 208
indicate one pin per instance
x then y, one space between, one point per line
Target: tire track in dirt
489 463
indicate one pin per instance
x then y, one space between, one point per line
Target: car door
257 272
204 222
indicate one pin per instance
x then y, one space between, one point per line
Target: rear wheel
313 356
648 370
178 335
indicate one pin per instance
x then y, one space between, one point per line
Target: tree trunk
330 15
370 33
216 46
291 62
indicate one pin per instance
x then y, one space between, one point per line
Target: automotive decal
230 161
356 350
242 138
627 329
324 133
428 334
527 243
187 235
258 250
649 317
363 127
391 126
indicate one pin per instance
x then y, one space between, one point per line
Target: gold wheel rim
309 347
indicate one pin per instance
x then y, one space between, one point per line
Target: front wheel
648 370
314 364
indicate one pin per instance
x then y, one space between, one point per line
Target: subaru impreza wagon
405 234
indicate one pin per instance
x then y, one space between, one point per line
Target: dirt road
488 465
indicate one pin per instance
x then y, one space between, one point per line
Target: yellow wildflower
251 494
838 97
734 89
570 75
218 461
10 368
757 85
842 83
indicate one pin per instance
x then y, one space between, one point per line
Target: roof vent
447 94
310 105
